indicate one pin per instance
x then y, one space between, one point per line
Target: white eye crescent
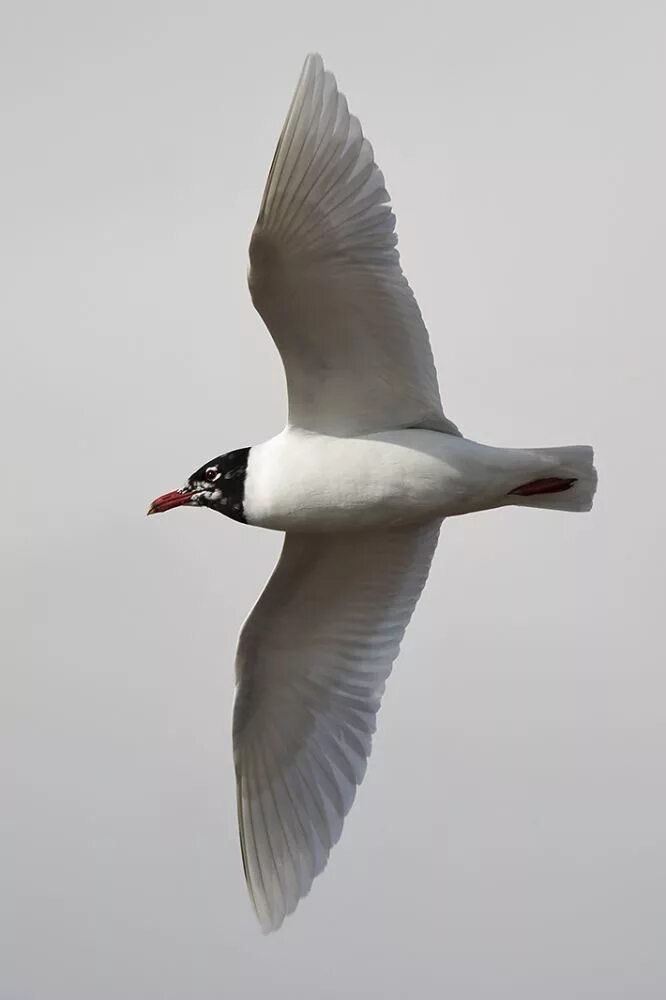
212 473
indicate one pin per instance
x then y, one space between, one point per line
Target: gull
359 481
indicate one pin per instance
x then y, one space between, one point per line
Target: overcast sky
509 839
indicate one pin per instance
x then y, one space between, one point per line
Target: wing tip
315 58
313 67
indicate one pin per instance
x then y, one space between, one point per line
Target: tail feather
573 463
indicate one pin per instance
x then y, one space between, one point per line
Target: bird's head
219 484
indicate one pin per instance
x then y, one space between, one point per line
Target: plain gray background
509 839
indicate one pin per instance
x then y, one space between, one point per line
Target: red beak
177 498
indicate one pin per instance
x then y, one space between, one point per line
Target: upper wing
326 278
312 661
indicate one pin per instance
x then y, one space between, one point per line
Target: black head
219 484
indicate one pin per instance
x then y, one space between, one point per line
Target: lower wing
312 662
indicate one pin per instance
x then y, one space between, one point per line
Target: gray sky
509 839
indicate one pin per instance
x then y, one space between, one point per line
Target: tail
568 480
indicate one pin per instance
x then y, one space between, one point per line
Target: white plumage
308 482
360 480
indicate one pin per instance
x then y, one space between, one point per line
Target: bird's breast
302 481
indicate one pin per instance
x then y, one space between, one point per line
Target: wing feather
313 659
326 278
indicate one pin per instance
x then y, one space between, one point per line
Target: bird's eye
211 473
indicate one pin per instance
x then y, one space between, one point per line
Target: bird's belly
301 481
